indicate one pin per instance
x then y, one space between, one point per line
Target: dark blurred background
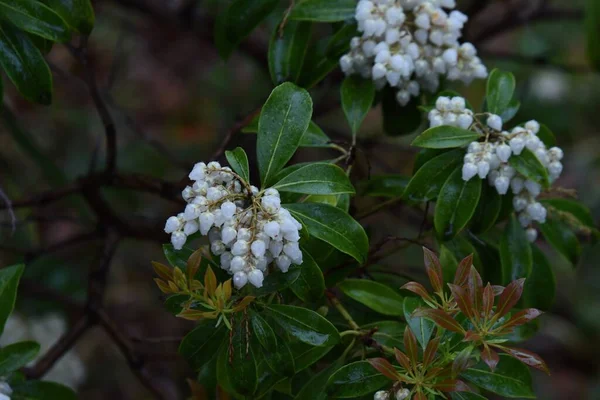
173 101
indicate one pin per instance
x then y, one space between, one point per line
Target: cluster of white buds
409 44
5 390
400 394
247 228
490 158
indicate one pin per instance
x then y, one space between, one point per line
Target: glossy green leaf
456 204
303 324
540 287
510 379
9 281
175 303
240 361
310 285
283 120
306 355
575 208
314 388
357 98
40 390
487 211
324 10
421 327
528 165
15 356
24 65
287 51
317 178
500 90
177 258
238 20
238 160
275 352
399 120
511 110
334 226
561 238
389 333
79 14
426 184
425 155
385 186
546 136
592 29
200 345
445 137
515 252
314 137
36 18
374 295
355 380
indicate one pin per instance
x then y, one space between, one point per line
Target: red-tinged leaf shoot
402 359
509 297
520 318
462 361
462 272
441 318
430 351
434 270
384 367
471 336
475 285
463 301
410 345
452 386
490 357
419 290
526 357
488 300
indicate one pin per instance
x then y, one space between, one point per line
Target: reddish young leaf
462 361
510 297
453 385
497 290
441 318
462 300
419 396
430 350
471 336
418 289
526 357
402 359
434 269
382 365
521 318
462 272
410 345
490 357
488 300
475 285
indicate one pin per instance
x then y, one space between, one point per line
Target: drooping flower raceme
5 390
490 157
247 228
410 44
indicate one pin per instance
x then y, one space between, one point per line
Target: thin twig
11 212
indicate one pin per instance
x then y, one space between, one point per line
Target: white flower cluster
248 229
409 44
489 159
5 390
401 394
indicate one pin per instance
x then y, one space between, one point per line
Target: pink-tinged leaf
488 300
471 336
475 286
419 290
462 300
462 361
490 357
430 351
453 385
402 359
441 318
434 269
498 290
521 318
510 297
382 365
526 357
410 345
462 272
419 396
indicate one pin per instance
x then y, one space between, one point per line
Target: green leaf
374 295
314 137
357 98
540 287
511 110
15 356
389 333
425 155
306 355
237 21
546 136
456 204
528 165
317 178
238 361
398 120
9 281
40 390
24 65
36 18
283 120
355 380
487 211
79 14
385 186
314 388
561 238
426 184
305 325
515 252
310 285
200 345
334 226
445 137
275 352
324 10
592 29
576 209
287 51
238 160
466 396
500 90
510 379
177 258
421 327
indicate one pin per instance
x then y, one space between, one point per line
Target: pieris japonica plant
269 256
